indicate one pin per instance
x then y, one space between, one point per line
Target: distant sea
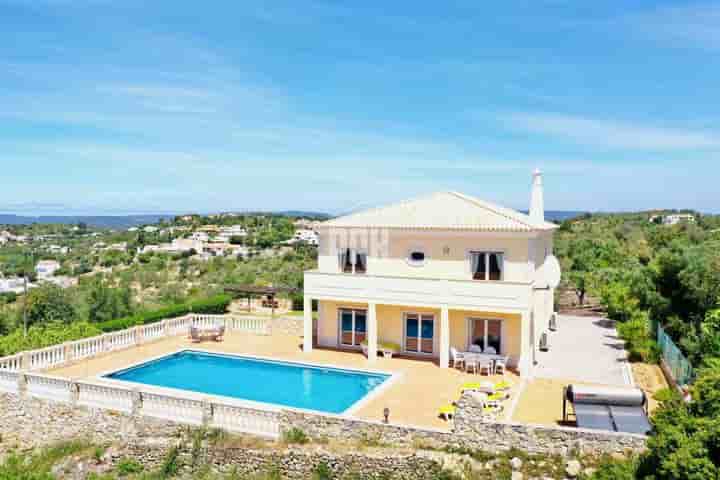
126 221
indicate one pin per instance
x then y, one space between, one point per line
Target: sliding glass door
419 333
486 334
353 327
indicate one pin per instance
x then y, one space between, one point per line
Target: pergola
251 291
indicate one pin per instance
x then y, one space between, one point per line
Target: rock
573 468
516 463
516 476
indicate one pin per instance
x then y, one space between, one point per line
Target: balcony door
419 333
353 326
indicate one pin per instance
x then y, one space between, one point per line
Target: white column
307 325
444 337
372 332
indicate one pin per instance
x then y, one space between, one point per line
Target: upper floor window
352 261
486 265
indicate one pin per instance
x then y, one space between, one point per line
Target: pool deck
421 387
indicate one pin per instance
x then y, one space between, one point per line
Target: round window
416 257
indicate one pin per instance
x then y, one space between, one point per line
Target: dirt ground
650 379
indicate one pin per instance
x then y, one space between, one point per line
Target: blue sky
134 106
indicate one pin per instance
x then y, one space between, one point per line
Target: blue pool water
288 384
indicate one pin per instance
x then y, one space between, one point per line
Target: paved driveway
584 349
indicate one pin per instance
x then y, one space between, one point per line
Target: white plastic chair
490 351
471 363
475 348
485 363
457 357
501 364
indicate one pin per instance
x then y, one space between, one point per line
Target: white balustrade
208 321
13 363
259 326
47 357
105 397
49 388
179 325
9 381
87 347
246 420
152 331
172 408
120 339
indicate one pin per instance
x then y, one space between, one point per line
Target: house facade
438 272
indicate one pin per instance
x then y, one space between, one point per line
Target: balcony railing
418 291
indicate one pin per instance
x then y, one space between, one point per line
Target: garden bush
217 304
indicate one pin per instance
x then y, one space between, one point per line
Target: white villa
434 273
46 268
305 235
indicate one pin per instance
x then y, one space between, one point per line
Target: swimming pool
288 384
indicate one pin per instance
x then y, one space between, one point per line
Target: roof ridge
496 209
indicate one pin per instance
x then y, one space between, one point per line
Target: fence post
138 336
68 352
207 412
165 327
25 364
22 386
136 407
74 393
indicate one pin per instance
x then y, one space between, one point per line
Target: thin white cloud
610 133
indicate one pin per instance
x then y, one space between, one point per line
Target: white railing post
207 412
136 409
138 335
26 364
68 352
74 393
165 328
22 385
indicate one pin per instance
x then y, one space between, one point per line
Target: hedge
212 305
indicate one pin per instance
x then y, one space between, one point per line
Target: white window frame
340 330
469 332
353 253
404 337
487 253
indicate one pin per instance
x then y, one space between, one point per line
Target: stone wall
470 430
320 427
295 462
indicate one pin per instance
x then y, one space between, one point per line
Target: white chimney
537 208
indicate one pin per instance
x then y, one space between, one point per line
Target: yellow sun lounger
447 411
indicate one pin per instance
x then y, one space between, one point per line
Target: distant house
150 229
46 268
305 235
132 229
200 236
59 249
226 233
673 219
120 247
12 285
676 218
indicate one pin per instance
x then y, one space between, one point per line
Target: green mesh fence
678 365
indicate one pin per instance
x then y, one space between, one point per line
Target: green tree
49 303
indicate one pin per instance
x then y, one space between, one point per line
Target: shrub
295 435
212 305
129 466
322 472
